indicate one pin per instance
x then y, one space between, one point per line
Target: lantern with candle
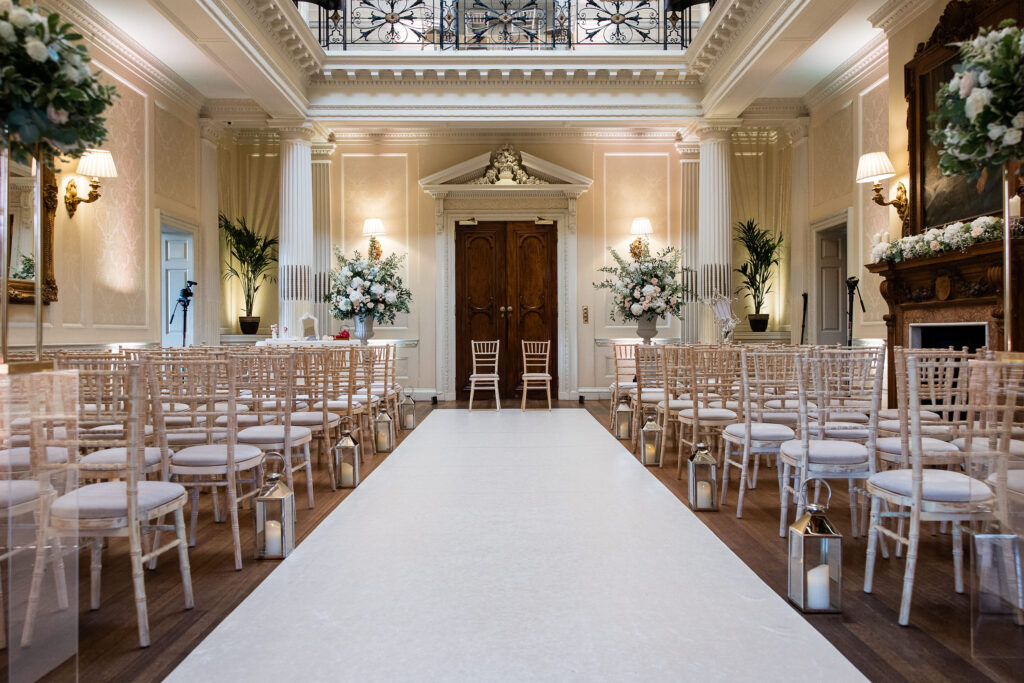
407 410
623 421
815 560
345 456
650 439
702 475
384 432
274 516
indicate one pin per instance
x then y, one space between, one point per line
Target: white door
831 283
175 269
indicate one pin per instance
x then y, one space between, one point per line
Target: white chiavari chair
485 370
535 369
625 376
649 366
711 377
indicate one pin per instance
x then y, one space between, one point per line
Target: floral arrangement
646 286
980 117
940 240
50 101
367 288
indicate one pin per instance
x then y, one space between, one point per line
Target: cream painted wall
106 258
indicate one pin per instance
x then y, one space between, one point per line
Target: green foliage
26 269
764 250
50 101
252 257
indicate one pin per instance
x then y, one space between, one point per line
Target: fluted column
714 221
296 228
322 259
800 235
208 291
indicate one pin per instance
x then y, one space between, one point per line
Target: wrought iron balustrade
504 24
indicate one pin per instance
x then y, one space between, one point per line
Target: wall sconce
875 167
371 228
641 227
95 164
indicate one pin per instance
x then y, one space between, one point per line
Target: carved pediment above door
507 171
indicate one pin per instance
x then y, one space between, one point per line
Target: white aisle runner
513 547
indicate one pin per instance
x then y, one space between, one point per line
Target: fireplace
948 335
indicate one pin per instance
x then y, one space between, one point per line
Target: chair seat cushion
1014 480
622 385
842 415
892 445
114 431
117 456
841 430
17 491
676 404
313 419
264 434
19 440
941 486
944 432
174 407
20 458
245 420
173 420
709 414
536 375
784 418
339 404
761 431
222 407
827 451
484 376
110 499
192 437
894 414
655 396
786 404
982 444
212 455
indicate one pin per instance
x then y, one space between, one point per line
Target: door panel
176 267
831 286
505 289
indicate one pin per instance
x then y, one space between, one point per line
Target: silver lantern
345 455
275 519
623 421
407 410
997 604
815 561
384 432
650 440
702 475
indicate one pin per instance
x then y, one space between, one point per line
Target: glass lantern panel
796 568
997 597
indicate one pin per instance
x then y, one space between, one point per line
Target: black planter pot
758 322
249 324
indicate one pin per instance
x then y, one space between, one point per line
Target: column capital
288 129
686 146
796 129
717 129
210 130
322 151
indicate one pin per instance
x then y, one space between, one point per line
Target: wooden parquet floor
935 647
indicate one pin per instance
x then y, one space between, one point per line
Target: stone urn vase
647 327
364 329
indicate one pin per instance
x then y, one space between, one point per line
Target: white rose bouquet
367 288
979 122
952 237
646 286
50 100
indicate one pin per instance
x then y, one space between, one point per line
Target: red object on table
343 335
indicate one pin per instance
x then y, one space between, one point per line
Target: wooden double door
505 289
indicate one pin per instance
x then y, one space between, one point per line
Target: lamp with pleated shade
371 228
641 227
94 164
875 167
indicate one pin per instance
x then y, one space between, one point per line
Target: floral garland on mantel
953 237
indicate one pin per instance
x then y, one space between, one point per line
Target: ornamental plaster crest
506 168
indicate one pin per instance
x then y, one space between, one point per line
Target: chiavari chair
485 371
649 366
312 385
625 376
667 409
384 385
710 377
917 492
535 369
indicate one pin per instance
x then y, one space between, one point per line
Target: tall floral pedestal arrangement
367 290
979 124
51 104
645 289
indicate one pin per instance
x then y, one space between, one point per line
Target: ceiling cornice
236 111
873 54
720 31
128 52
767 109
403 135
282 22
895 14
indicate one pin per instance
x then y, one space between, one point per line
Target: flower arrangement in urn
367 290
646 288
50 100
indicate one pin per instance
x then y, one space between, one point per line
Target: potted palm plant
764 250
252 257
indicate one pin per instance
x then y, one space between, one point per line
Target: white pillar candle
410 419
703 494
348 475
273 536
818 588
650 454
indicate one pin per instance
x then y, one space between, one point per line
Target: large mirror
21 266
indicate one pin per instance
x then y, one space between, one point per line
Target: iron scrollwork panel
393 22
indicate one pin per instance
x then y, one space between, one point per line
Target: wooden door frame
566 260
833 220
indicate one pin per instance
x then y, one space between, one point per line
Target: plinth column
714 219
322 257
800 235
207 312
295 263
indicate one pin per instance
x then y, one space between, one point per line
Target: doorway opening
506 288
176 268
830 249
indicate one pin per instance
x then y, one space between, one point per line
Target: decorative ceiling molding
399 135
282 21
769 109
128 52
552 78
234 111
256 136
717 129
873 54
727 20
895 14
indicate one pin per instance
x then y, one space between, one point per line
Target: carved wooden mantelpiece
957 287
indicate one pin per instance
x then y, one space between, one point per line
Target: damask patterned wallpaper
832 158
174 147
874 135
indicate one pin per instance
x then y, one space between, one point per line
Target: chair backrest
649 361
535 356
768 380
342 374
485 357
266 381
625 365
942 377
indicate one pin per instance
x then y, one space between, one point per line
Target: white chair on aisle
485 371
535 368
